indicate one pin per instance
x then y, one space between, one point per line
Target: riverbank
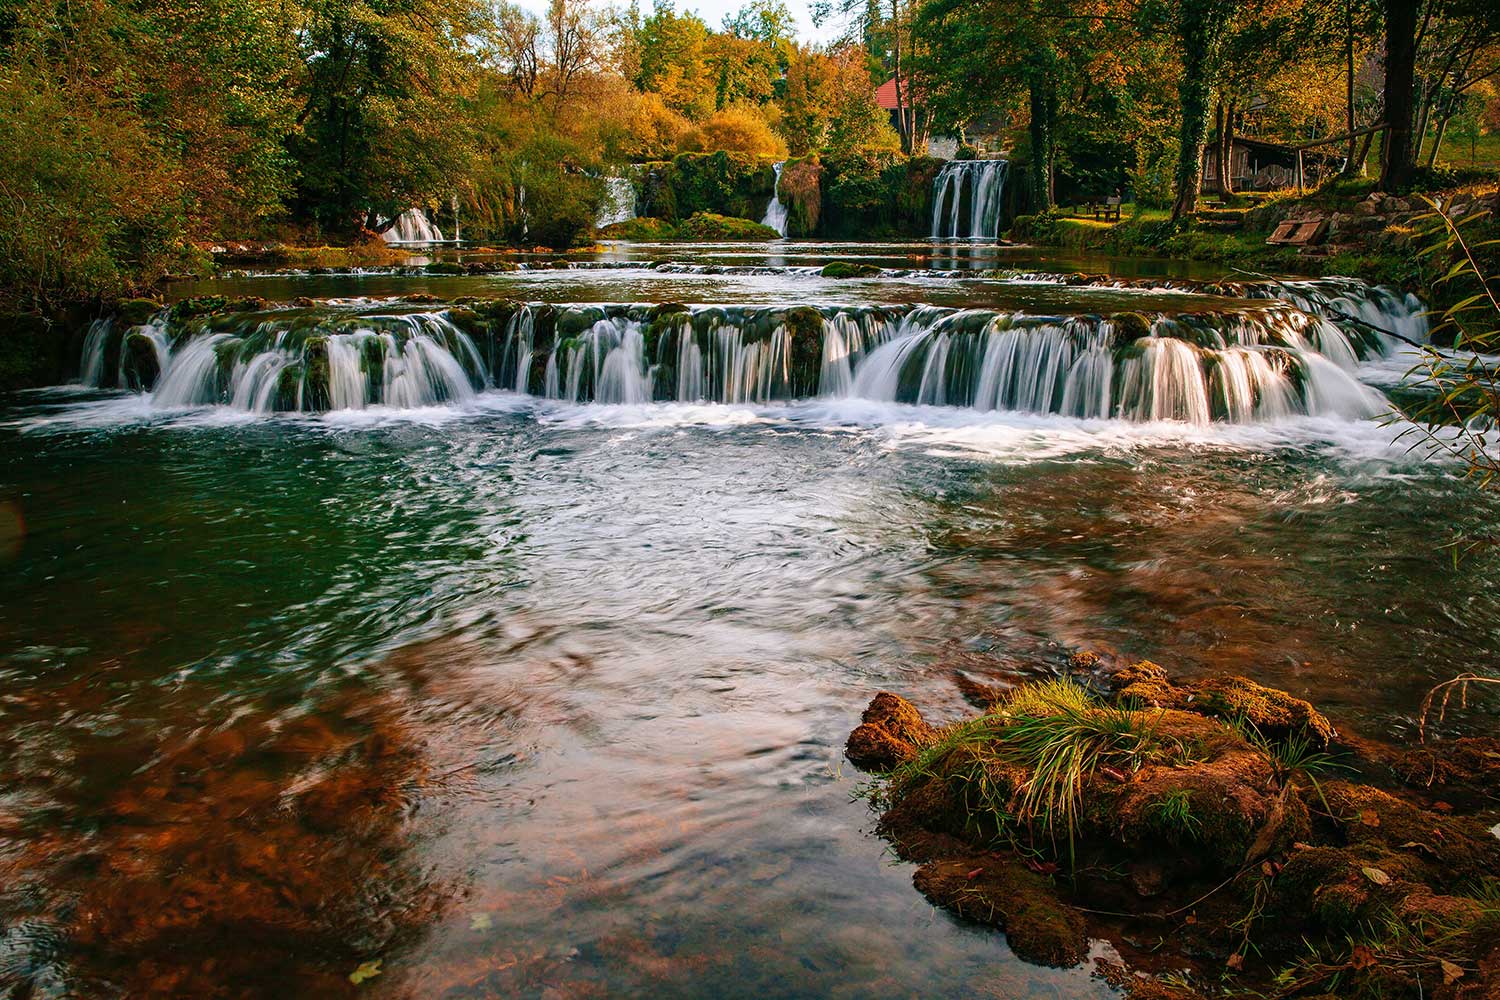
1228 822
1369 235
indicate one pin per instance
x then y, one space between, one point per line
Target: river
528 696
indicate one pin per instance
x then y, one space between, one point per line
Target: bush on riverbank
703 227
1372 236
877 195
1229 819
721 183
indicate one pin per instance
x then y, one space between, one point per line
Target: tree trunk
903 125
1224 175
1400 73
1363 156
1041 139
1197 32
1437 142
1349 154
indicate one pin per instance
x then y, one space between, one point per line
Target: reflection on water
520 698
550 700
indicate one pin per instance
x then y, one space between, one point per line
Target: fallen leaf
366 970
1377 876
1110 772
480 922
1451 971
1236 962
975 873
1370 818
1042 867
1419 846
1361 957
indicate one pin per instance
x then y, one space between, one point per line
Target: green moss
316 393
288 384
642 230
445 267
137 311
706 226
202 305
139 363
1129 327
847 269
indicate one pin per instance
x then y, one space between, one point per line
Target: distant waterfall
776 211
968 199
1263 362
619 202
413 226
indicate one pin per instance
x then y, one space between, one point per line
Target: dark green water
529 699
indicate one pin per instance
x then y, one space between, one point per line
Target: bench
1107 210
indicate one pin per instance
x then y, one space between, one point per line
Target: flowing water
969 200
775 216
490 653
413 226
619 205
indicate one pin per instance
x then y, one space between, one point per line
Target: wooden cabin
1256 165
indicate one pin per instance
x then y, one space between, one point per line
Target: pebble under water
526 697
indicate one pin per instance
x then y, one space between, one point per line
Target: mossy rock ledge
1216 826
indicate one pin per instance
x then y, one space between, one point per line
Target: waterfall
968 199
619 202
412 226
1265 361
776 211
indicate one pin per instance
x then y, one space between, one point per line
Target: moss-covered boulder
642 230
139 363
317 391
1129 327
1001 892
850 269
709 227
135 312
1272 713
891 732
445 267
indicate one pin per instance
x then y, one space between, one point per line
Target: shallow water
522 698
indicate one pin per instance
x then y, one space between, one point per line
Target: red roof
885 95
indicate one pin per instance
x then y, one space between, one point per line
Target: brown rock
999 891
891 733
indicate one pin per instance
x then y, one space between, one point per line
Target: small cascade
412 226
619 202
1261 361
776 211
968 199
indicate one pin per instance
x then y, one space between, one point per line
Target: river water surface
523 697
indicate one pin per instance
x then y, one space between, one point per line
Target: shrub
739 130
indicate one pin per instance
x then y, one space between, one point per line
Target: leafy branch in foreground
1460 415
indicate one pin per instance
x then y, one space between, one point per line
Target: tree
1399 155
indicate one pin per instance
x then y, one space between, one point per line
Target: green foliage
722 183
1172 815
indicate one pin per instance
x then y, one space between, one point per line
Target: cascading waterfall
413 226
968 199
619 202
776 211
1267 361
